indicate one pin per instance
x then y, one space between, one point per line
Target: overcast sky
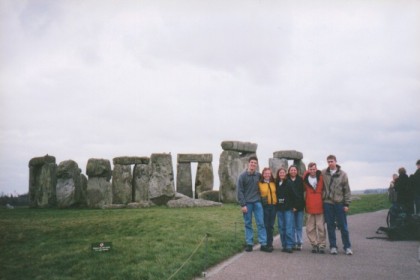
101 79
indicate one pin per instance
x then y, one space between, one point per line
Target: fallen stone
210 195
188 202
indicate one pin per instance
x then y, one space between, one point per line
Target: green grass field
154 243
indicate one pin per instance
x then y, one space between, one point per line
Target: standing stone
300 166
99 189
122 190
69 185
161 188
231 165
99 192
184 179
204 179
276 163
42 182
141 178
83 199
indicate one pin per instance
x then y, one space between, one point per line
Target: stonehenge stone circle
233 161
42 182
69 188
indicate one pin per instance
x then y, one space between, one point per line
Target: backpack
401 225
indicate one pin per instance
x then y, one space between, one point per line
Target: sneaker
349 252
265 248
315 249
333 251
299 247
248 248
321 251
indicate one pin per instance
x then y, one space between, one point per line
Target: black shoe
248 248
284 250
315 249
321 251
265 248
289 250
270 248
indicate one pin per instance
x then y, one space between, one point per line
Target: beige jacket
336 187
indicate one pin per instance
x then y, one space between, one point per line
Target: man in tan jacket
336 197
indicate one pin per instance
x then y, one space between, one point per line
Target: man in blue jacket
249 198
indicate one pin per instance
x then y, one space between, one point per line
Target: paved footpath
372 258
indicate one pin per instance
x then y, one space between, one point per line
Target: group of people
324 195
404 191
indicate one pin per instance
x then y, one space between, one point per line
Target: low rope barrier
192 254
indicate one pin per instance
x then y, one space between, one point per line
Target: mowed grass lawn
154 243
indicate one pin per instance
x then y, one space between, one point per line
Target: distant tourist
315 228
297 186
285 220
336 196
267 188
249 198
404 192
392 194
415 185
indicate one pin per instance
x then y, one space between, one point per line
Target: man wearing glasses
336 197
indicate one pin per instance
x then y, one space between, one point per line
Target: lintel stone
202 158
244 147
131 160
288 154
36 161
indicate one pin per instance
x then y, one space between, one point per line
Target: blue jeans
297 229
257 209
269 218
333 213
285 224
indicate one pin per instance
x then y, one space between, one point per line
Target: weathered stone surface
288 154
184 179
69 185
130 160
42 182
161 187
114 206
243 147
36 161
122 189
99 192
83 199
188 202
276 163
184 158
204 179
300 166
99 168
141 204
210 195
141 180
231 165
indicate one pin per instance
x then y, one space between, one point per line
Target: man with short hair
249 198
336 197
